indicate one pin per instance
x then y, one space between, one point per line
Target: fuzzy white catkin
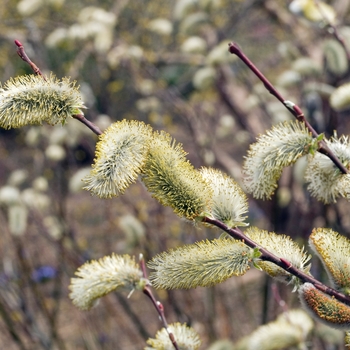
56 37
28 7
279 147
17 177
9 195
335 57
183 8
219 54
290 330
55 153
40 184
204 78
204 264
325 181
76 181
340 98
193 21
334 251
58 136
186 338
314 12
161 26
194 44
119 158
103 121
97 278
32 99
32 136
17 219
35 199
96 14
173 180
132 227
53 227
229 203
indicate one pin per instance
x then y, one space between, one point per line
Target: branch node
289 104
286 263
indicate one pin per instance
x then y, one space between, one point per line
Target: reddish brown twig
93 127
21 53
157 304
292 107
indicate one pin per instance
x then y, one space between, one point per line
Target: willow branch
93 127
21 53
281 262
157 304
292 107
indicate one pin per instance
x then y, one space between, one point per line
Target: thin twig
277 296
157 304
21 53
93 127
292 107
281 262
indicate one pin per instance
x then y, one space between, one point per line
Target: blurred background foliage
167 64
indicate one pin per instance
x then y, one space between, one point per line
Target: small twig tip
233 47
18 43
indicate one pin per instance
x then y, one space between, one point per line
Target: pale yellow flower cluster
325 181
289 331
204 264
280 147
186 338
100 277
229 202
172 179
30 99
128 149
340 98
120 155
283 247
334 251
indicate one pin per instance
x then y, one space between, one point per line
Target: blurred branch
11 327
133 316
38 297
222 88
